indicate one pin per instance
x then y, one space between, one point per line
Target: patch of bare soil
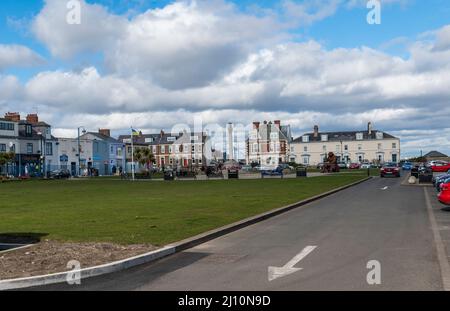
51 257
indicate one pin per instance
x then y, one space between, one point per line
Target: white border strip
87 272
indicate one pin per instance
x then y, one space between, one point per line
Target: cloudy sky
152 64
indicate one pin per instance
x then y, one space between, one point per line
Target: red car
354 166
390 169
444 195
440 167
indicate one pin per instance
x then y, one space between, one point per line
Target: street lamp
79 148
42 157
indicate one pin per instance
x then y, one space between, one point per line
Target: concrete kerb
165 251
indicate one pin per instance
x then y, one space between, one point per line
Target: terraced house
372 146
268 143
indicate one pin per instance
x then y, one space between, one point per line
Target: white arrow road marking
279 272
385 188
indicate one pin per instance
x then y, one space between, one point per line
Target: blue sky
304 61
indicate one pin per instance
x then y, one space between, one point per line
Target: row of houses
37 151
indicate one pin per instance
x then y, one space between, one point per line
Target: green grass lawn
145 212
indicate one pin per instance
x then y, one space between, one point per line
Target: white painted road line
440 248
278 272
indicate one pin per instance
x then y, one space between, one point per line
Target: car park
390 169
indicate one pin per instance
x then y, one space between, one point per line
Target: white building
351 147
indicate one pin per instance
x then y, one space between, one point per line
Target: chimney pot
316 131
12 116
32 118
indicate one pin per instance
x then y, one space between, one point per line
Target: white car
365 166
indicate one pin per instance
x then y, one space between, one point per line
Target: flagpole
132 153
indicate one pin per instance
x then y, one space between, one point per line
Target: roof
157 139
344 136
103 137
435 154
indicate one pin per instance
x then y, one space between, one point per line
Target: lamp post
79 149
42 156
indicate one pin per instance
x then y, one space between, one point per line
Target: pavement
332 240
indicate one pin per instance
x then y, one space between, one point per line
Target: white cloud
97 31
18 56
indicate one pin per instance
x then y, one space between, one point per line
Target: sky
152 64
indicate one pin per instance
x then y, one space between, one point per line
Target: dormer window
380 135
305 139
359 136
324 137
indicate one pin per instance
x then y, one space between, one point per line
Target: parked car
354 166
59 174
440 166
390 169
444 194
366 166
342 165
407 166
443 180
274 172
286 166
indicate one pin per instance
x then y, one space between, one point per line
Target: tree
144 157
6 158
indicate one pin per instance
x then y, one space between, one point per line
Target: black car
59 174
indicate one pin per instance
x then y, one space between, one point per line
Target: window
324 137
255 148
48 149
394 146
119 152
171 139
154 149
149 140
379 135
6 126
112 150
338 148
12 148
274 136
2 148
359 147
170 150
305 160
28 130
305 149
324 148
359 136
30 148
163 149
346 147
305 139
193 148
380 146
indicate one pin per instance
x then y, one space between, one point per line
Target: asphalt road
377 220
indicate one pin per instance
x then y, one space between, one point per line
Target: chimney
316 131
256 125
105 132
12 116
277 123
369 128
32 118
162 133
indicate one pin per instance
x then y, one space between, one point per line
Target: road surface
377 220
